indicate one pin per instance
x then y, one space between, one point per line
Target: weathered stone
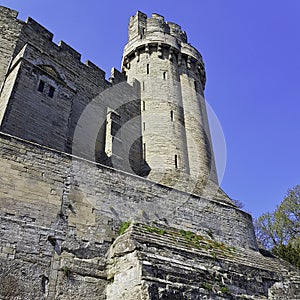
71 147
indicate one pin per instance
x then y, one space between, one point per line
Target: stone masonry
94 203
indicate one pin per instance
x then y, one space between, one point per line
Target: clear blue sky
251 49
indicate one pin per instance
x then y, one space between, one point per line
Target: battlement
71 51
8 12
154 34
37 28
36 34
176 31
140 25
167 39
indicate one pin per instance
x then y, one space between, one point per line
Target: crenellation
8 12
158 17
69 50
156 25
176 31
34 33
116 76
35 27
137 26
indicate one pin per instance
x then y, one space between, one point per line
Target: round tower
175 132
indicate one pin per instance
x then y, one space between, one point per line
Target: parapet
140 24
168 39
116 76
65 47
95 69
32 32
5 11
176 31
39 29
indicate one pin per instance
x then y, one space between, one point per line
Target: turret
175 131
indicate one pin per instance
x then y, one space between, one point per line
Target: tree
280 231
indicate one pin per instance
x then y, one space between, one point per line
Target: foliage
123 227
225 290
207 286
153 229
280 231
67 271
289 252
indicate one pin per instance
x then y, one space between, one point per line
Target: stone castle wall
59 212
60 216
108 194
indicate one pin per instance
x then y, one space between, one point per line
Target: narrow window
165 75
148 69
196 86
144 126
144 151
143 105
143 85
143 31
51 91
41 86
172 115
176 162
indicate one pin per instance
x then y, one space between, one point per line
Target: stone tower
175 131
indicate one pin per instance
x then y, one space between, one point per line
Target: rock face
78 220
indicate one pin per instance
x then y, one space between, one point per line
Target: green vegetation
123 227
154 229
67 271
225 290
191 237
213 247
279 231
207 286
199 241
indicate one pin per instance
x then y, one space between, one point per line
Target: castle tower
175 131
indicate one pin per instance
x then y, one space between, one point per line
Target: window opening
148 69
144 105
172 115
51 91
41 86
176 162
144 151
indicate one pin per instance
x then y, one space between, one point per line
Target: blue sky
251 50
